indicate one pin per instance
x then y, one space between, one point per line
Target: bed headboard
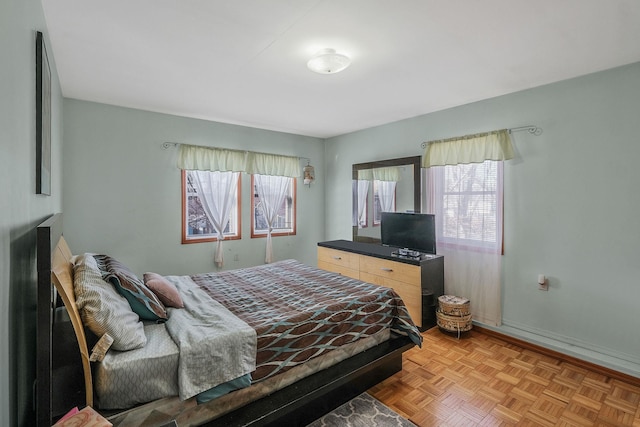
55 278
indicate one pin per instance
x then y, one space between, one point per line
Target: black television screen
413 231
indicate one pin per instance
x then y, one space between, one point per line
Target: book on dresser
419 280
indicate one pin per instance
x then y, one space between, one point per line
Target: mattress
301 312
305 319
127 378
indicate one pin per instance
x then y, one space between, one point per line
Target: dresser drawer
387 269
336 268
345 263
342 258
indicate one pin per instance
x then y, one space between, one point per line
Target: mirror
392 185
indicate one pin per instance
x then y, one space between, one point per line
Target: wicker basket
454 306
453 323
454 314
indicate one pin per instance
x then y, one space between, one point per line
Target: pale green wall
122 189
571 206
560 190
21 210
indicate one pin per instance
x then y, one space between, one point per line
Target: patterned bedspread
300 312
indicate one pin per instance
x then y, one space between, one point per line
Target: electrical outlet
236 257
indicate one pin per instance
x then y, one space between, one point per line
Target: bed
305 362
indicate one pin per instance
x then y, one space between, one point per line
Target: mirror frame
415 161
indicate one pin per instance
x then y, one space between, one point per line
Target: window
384 199
468 204
196 227
267 191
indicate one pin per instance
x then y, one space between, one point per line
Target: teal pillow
142 301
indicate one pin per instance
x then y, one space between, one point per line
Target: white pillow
103 309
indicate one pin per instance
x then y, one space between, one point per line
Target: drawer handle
386 269
337 257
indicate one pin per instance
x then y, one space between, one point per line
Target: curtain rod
534 130
167 145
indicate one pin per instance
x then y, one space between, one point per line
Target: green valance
476 148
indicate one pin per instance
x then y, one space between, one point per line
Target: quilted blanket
300 312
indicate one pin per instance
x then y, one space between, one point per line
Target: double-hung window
468 205
273 205
196 223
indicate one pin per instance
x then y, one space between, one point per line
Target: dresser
419 282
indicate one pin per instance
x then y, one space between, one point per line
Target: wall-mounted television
414 231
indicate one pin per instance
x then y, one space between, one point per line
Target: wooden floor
481 380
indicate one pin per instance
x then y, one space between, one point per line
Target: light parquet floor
481 380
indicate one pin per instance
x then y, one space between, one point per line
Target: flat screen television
414 231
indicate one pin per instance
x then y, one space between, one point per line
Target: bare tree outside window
470 203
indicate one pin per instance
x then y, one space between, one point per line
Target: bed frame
64 377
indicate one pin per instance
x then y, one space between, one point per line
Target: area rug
362 411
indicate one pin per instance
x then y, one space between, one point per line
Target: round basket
454 306
453 323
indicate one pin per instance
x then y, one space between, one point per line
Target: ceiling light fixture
327 61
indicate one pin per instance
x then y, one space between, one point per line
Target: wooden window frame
294 213
190 239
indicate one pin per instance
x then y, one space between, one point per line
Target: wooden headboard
55 279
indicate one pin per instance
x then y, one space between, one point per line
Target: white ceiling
244 61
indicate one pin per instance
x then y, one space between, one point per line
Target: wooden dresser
419 282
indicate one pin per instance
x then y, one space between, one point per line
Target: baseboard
592 366
605 356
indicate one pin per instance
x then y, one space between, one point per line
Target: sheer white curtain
271 191
386 195
215 173
469 236
467 198
385 184
217 192
360 189
272 173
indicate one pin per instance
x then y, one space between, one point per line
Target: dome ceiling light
327 61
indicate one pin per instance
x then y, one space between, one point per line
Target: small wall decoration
43 118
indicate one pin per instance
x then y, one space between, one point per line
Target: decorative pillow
103 310
164 290
141 299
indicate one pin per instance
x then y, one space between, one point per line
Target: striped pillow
142 301
102 309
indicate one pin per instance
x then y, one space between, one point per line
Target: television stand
418 280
